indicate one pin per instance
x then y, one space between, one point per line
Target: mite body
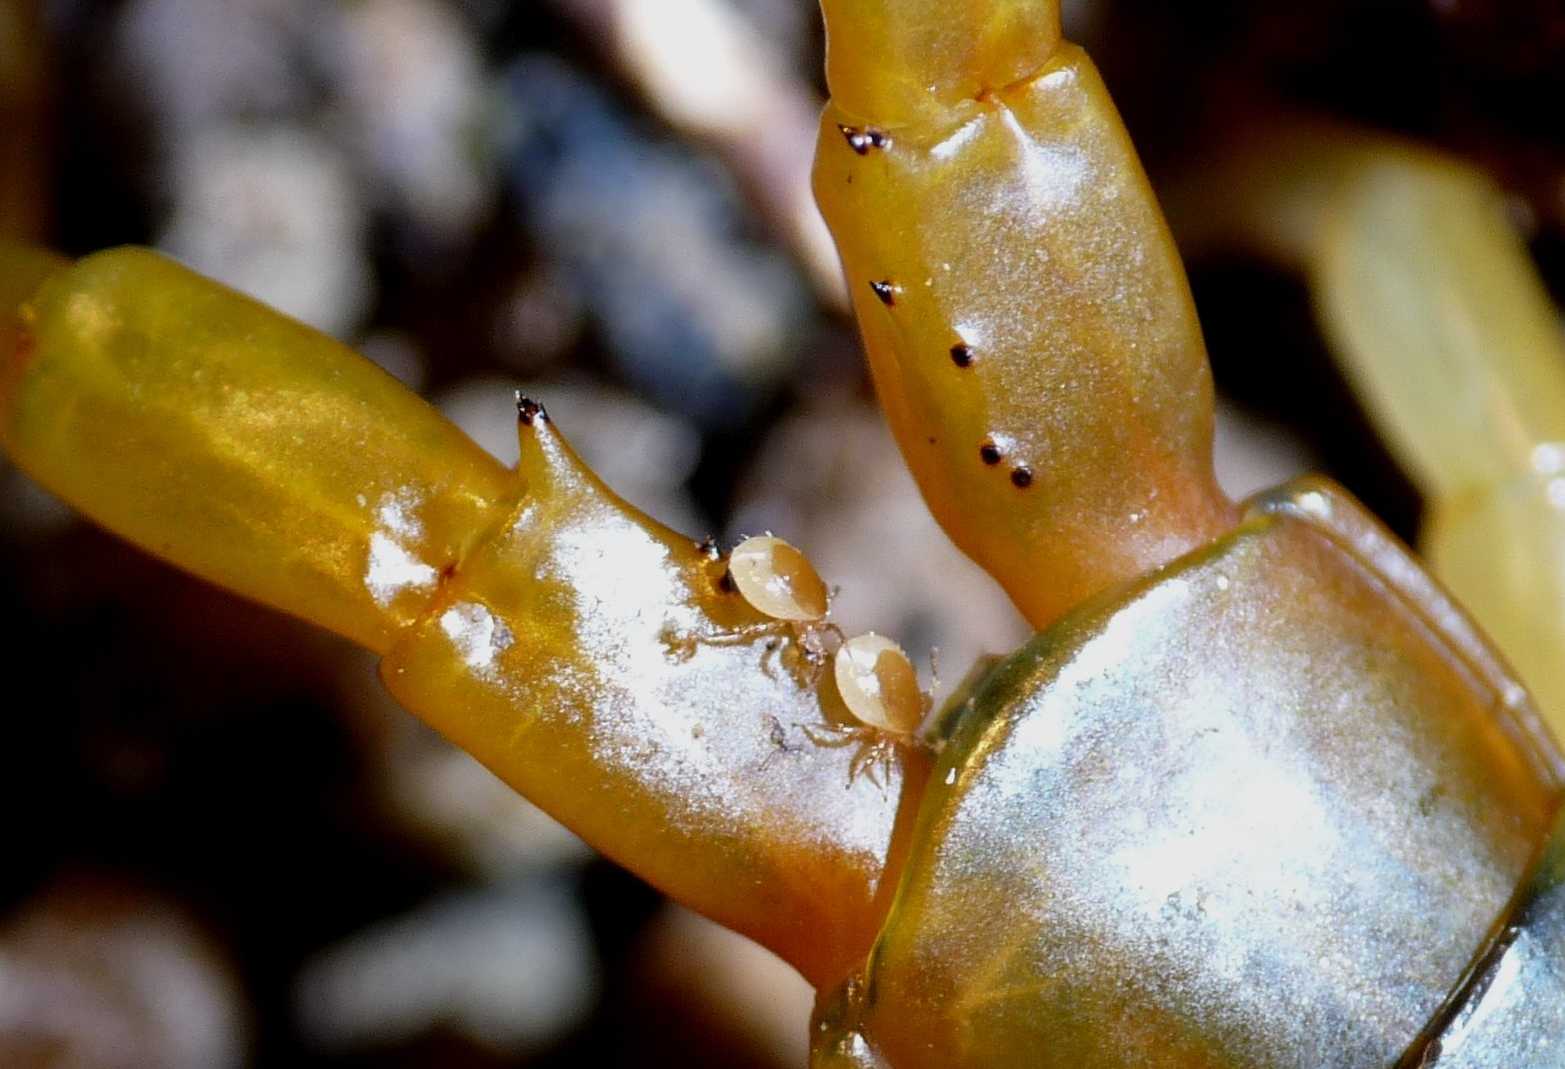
1257 795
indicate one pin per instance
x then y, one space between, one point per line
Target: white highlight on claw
1548 458
954 144
478 635
1315 505
395 514
1055 174
1556 492
1057 79
971 331
392 569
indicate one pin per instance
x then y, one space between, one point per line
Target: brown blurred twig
25 154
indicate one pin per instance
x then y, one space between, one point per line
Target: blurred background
226 847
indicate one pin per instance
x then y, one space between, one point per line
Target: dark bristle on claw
863 140
528 410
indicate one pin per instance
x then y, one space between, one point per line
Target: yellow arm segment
1437 314
910 62
1027 319
246 447
25 164
22 271
583 652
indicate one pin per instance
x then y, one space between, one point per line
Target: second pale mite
874 676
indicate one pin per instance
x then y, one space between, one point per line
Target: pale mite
778 580
876 679
879 684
